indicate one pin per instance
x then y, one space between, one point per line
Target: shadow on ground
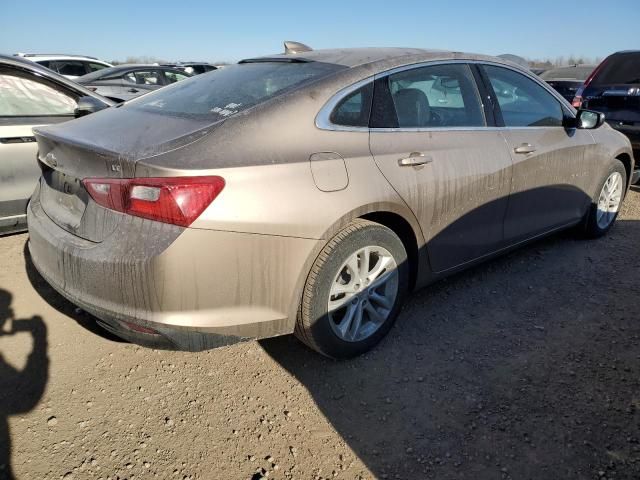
20 389
524 367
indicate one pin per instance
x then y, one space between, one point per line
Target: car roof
36 57
30 66
377 56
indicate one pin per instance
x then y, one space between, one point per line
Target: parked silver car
30 96
125 82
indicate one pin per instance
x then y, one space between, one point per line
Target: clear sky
234 29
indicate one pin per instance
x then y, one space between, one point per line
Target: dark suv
614 89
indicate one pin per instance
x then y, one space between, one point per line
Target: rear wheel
606 205
354 291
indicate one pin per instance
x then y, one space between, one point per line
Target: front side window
354 109
150 77
429 97
71 68
173 77
227 91
24 97
522 101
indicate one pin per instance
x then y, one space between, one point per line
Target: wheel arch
402 228
397 217
627 161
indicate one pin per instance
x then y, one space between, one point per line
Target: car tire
354 291
598 222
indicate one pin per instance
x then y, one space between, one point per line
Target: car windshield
623 68
222 93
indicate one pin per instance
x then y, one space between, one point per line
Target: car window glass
21 96
173 77
435 96
150 77
622 68
225 92
94 67
354 109
71 68
522 101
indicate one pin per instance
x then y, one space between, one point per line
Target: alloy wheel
363 293
609 200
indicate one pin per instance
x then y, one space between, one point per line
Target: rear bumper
168 287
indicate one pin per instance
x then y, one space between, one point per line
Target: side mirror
588 119
87 105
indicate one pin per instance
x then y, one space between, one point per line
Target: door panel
460 197
19 171
450 169
550 171
550 184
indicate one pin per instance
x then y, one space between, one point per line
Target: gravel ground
526 367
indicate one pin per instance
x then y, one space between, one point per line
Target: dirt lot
526 368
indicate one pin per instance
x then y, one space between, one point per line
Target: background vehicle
30 96
125 82
614 89
222 228
69 66
193 68
567 80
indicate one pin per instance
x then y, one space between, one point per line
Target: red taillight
175 200
577 100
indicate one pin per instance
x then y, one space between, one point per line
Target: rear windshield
623 68
96 74
224 92
574 73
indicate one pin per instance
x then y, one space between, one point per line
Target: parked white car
69 66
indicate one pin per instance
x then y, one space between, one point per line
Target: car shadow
487 375
61 304
20 389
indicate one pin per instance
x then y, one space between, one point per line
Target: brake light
175 200
577 100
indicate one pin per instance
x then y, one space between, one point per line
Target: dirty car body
287 152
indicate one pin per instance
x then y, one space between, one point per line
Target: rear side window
173 76
429 97
354 109
229 90
523 103
72 68
151 77
24 97
621 68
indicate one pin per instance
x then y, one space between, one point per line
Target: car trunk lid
101 146
617 102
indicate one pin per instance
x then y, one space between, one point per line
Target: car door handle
525 148
133 90
17 140
415 159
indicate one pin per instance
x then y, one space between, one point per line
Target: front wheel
606 206
354 291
